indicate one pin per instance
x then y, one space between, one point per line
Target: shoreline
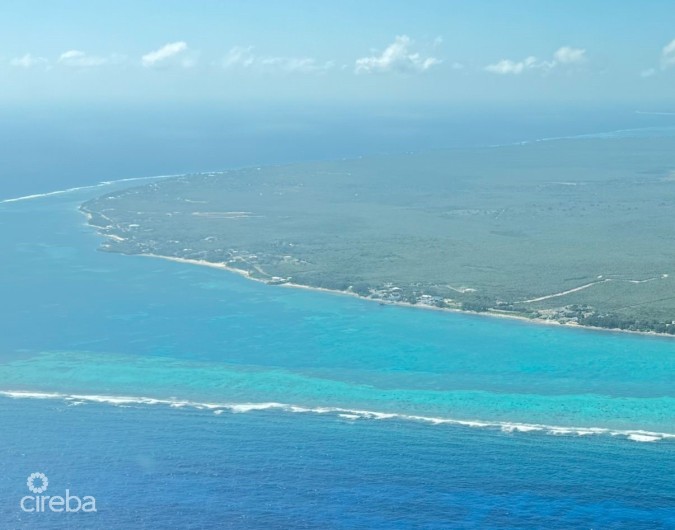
491 314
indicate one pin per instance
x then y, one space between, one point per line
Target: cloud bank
507 66
565 56
28 61
397 57
164 54
245 57
569 55
79 59
668 55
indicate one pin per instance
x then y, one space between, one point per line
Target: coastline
491 314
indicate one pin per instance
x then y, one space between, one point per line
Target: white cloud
569 55
28 61
667 60
565 56
507 66
166 52
79 59
668 55
239 56
295 64
397 57
245 57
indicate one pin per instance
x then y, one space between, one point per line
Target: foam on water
81 188
339 412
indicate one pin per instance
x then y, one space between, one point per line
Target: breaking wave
80 188
635 435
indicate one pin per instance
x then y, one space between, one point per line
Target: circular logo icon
40 488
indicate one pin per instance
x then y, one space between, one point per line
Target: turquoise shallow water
89 322
112 333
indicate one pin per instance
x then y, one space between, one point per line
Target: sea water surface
56 147
183 396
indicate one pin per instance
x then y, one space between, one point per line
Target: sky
450 52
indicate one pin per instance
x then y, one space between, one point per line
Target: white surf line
585 136
655 113
636 435
89 187
586 286
50 193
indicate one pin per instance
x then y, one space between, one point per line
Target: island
570 231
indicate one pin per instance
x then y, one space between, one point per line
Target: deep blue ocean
186 397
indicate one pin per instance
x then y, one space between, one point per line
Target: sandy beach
490 314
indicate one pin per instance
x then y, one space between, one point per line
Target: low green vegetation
576 231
